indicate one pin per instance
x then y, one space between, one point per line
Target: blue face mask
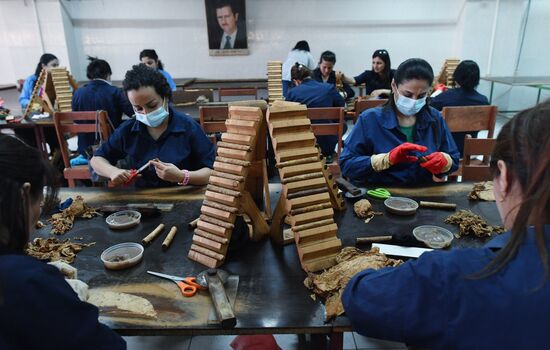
154 118
409 106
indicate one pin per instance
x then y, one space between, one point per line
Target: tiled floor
352 341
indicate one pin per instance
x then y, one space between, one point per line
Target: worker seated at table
315 95
405 141
150 58
38 307
378 80
494 297
99 94
179 151
466 78
325 73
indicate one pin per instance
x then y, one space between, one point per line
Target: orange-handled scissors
187 285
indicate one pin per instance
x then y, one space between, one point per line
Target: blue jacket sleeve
355 158
40 296
203 150
26 92
406 303
124 105
349 91
448 144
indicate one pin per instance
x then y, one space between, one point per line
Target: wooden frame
329 128
227 92
477 147
65 123
471 118
212 118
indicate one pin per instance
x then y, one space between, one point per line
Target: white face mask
409 106
154 118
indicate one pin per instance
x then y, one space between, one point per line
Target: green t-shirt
408 131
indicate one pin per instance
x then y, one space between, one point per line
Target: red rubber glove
435 163
400 154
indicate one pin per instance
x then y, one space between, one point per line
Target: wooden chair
226 92
476 147
470 118
212 120
329 128
361 105
65 123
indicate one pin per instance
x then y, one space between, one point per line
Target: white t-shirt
303 57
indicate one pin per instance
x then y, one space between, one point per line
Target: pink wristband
186 177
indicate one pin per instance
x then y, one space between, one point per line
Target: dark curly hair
140 75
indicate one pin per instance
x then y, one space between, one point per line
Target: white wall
433 29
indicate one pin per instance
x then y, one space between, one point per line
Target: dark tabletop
271 296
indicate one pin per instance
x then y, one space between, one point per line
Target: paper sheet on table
397 250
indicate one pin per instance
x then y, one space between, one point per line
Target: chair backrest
333 124
212 119
477 147
471 118
225 92
185 97
65 123
361 105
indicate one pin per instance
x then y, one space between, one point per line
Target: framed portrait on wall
226 23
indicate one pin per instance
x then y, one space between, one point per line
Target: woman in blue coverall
405 141
378 80
495 297
99 94
38 308
466 78
175 146
150 58
314 95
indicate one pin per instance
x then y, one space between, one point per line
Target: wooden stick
297 162
149 238
365 240
193 224
233 161
227 175
306 192
312 225
220 206
222 190
301 177
211 236
217 222
169 238
310 208
207 252
234 146
438 205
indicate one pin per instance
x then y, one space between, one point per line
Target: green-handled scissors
380 193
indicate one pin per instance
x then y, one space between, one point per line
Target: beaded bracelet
186 178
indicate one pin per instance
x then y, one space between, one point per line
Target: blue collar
176 124
388 118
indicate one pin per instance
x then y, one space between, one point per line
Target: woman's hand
436 163
119 176
167 171
402 153
378 92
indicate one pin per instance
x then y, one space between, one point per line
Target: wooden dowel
233 161
149 238
193 224
310 208
438 205
216 222
220 206
301 177
234 146
211 236
365 240
169 238
227 175
222 190
312 225
207 252
306 192
297 162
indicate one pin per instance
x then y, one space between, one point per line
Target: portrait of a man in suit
227 26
